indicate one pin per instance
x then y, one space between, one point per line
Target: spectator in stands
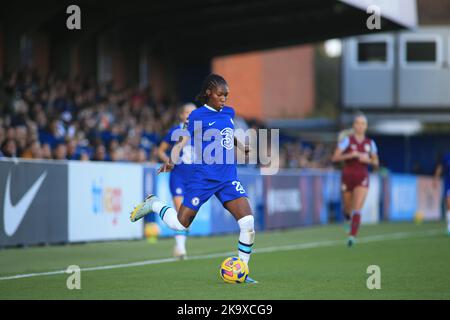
21 136
141 155
60 152
37 115
46 151
33 150
100 153
9 148
53 134
73 150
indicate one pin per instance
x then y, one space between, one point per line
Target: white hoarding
371 209
101 195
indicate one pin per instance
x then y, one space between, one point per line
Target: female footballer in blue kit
208 178
443 168
179 174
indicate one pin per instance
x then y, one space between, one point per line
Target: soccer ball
151 231
233 270
418 217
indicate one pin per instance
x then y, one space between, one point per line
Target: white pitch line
299 246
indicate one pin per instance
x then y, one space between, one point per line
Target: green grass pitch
307 263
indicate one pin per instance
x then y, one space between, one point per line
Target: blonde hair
344 134
359 114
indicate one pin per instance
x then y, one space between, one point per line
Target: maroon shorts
351 181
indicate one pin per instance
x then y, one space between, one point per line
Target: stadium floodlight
333 48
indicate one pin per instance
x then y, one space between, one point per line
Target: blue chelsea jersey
212 140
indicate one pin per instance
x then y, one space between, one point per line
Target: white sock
180 240
246 237
168 215
448 221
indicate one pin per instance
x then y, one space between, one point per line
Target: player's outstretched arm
437 175
166 167
375 162
174 155
163 147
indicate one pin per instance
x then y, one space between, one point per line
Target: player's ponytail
212 81
344 134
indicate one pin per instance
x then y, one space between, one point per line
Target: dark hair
210 82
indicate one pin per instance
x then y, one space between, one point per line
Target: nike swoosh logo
211 123
13 215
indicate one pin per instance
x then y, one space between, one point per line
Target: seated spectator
100 154
53 134
46 152
141 155
60 152
9 148
33 150
73 150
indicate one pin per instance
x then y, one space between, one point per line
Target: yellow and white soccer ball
233 270
419 217
152 231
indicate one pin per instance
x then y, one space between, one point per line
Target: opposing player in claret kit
211 135
358 153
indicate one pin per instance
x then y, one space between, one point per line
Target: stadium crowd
74 119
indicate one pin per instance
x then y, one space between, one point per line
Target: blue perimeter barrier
299 198
78 202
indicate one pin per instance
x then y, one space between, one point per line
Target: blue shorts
198 193
177 184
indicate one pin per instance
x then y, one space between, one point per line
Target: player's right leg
347 198
347 186
178 221
359 196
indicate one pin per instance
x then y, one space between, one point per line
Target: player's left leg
359 196
347 197
241 211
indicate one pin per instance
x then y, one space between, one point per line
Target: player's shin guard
246 237
168 215
356 220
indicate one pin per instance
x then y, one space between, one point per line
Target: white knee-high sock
180 240
246 237
448 221
168 215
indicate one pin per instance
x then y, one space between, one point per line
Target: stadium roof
207 27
